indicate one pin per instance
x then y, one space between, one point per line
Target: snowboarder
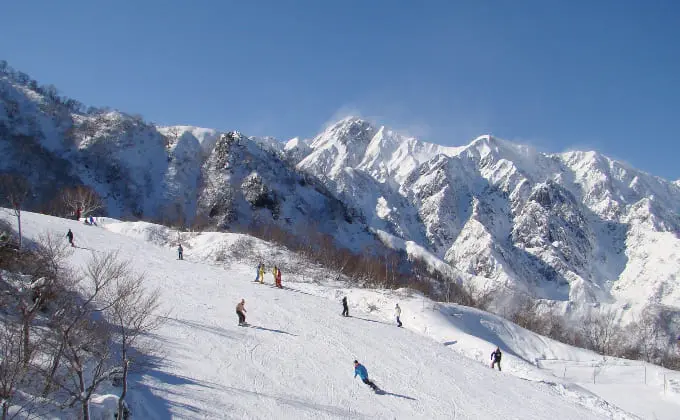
345 308
92 222
360 370
496 358
278 278
180 252
261 273
397 313
274 273
240 311
69 235
78 213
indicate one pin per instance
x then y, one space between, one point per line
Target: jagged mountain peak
350 131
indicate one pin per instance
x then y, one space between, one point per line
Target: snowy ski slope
295 361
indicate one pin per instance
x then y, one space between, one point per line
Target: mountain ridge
576 228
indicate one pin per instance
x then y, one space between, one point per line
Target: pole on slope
664 384
564 375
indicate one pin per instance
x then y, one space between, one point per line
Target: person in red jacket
278 278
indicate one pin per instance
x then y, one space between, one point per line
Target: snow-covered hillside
295 361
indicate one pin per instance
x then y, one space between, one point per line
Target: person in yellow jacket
261 273
275 272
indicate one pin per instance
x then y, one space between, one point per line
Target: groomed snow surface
295 360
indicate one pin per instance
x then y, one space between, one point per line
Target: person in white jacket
397 313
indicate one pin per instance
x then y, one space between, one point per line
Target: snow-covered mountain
577 229
175 174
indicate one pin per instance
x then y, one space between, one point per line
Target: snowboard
245 324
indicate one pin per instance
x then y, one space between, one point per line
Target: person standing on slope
360 370
274 273
69 235
345 308
261 273
180 252
496 358
397 313
278 278
240 311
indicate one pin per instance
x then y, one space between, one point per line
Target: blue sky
559 75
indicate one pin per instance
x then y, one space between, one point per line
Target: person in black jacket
345 308
69 235
496 358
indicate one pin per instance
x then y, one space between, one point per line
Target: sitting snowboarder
496 358
360 370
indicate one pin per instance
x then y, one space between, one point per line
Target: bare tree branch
14 190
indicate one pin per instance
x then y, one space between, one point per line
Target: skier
274 273
397 313
360 370
69 235
180 252
278 278
240 311
496 358
345 308
78 213
261 273
257 272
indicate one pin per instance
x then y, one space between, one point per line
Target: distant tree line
49 91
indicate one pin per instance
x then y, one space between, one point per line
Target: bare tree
133 312
81 197
12 367
600 331
14 190
84 340
47 263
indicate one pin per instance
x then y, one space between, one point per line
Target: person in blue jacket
360 370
